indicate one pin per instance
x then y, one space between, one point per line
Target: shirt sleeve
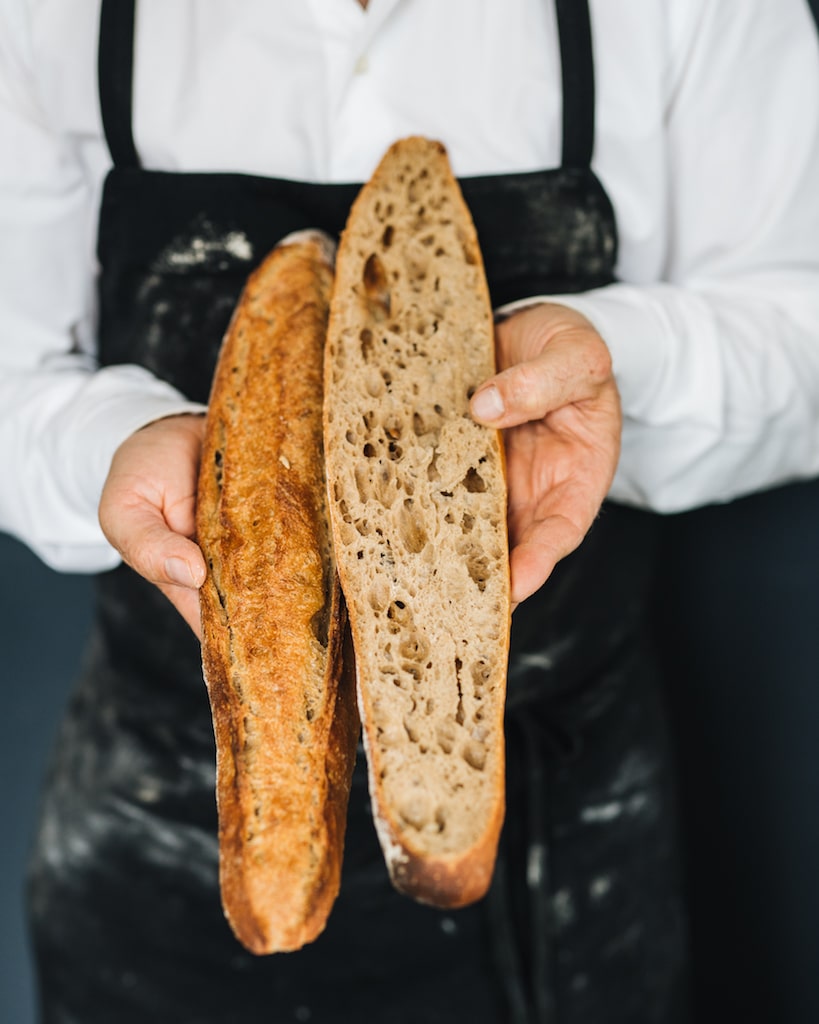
718 361
61 418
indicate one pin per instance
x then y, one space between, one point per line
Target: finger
532 561
186 602
530 391
140 533
571 368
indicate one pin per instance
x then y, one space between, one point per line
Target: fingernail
178 571
487 404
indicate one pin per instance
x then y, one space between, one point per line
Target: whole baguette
284 716
418 509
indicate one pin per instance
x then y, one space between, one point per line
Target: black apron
583 922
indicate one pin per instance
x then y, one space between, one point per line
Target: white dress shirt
707 143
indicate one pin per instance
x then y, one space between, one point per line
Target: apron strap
577 63
115 76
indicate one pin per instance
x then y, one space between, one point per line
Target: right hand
148 508
556 400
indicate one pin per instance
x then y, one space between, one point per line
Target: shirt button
362 65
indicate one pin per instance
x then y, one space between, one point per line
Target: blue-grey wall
44 618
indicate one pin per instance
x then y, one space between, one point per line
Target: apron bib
583 922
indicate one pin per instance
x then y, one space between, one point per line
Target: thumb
546 370
526 392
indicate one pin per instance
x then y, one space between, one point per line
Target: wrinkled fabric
583 923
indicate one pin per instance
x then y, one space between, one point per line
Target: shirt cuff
87 434
631 327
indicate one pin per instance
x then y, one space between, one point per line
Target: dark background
44 618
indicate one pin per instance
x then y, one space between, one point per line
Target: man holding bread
645 201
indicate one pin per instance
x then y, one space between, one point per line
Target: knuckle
526 388
601 361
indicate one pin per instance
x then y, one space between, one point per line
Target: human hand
148 505
557 402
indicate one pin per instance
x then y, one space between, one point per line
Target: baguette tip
325 243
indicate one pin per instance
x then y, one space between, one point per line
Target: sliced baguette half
418 509
284 715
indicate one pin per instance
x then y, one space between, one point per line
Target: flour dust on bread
284 715
418 507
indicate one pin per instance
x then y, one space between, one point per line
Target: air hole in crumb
467 523
481 673
379 596
369 451
446 734
397 612
366 337
460 714
474 482
477 566
474 753
470 251
376 288
386 238
411 529
414 648
415 811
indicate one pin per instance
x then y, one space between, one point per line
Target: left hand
558 404
148 509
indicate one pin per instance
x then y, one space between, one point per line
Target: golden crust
284 715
